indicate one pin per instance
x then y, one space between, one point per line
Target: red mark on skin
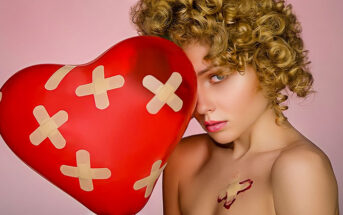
228 204
247 188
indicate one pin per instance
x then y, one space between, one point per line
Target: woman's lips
213 127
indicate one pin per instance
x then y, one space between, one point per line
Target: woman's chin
220 139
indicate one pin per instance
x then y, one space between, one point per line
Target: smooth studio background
77 31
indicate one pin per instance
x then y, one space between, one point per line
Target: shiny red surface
123 137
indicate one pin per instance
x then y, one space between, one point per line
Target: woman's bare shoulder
190 153
181 165
302 175
302 154
303 151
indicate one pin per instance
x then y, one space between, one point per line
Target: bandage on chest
229 194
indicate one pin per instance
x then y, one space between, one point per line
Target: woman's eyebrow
205 70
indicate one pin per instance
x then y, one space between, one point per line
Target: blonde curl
262 33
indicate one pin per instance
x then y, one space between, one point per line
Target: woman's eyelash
223 75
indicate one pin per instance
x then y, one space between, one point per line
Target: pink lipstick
213 126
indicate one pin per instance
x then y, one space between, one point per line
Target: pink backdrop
77 31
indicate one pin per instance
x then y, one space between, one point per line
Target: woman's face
232 98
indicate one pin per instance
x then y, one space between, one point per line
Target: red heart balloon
102 131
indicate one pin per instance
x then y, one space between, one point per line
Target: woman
246 53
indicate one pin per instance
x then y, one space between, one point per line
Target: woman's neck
262 136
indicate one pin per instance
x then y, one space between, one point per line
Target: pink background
77 31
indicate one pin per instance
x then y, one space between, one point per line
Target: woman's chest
240 189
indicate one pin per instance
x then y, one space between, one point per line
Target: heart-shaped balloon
102 131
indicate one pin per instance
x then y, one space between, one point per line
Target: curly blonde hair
261 33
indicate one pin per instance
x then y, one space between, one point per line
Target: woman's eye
217 78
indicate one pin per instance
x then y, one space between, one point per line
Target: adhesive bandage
0 96
57 77
230 193
84 172
48 127
164 93
149 181
100 86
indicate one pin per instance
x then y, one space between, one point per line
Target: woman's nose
204 104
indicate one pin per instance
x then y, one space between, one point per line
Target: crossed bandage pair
230 192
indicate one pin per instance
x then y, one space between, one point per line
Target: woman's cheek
237 96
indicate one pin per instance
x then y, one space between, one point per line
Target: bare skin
290 174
